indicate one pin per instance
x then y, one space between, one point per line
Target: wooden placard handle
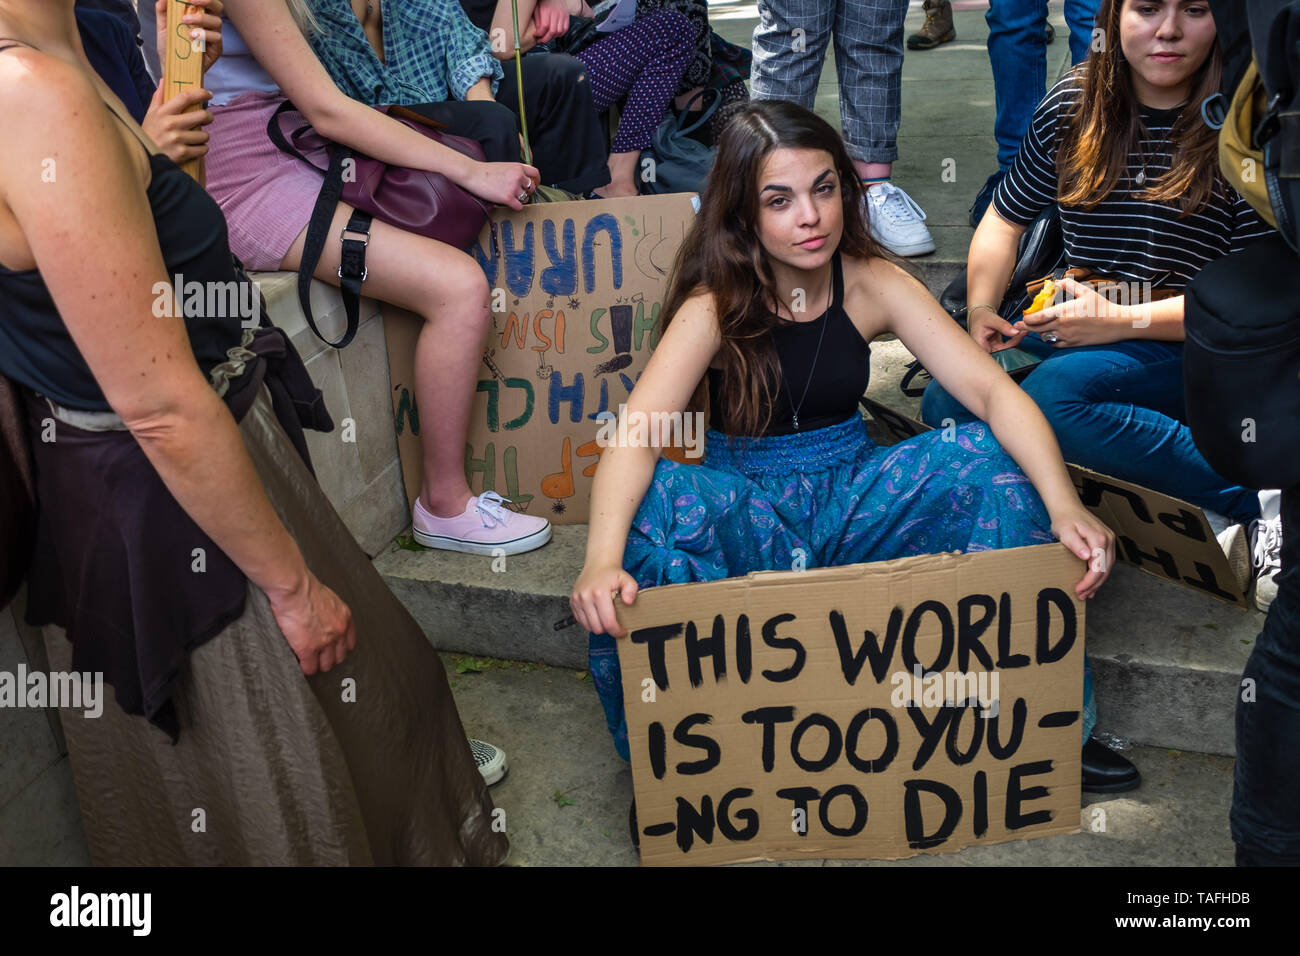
182 65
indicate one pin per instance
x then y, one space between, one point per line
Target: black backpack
1275 35
1241 365
1241 360
1261 56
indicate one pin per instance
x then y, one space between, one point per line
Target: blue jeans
1118 409
1018 55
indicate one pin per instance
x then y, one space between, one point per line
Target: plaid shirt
432 53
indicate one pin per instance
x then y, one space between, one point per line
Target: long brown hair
1105 127
722 255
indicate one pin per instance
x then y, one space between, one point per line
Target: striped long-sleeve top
1124 236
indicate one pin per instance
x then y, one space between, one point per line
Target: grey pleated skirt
365 764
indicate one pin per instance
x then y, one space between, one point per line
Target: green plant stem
519 84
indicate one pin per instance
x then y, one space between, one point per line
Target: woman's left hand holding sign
205 23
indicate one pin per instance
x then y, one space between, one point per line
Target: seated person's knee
938 408
500 120
471 285
564 71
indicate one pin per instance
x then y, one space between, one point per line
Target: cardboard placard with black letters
867 711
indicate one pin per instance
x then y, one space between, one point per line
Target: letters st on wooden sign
182 64
868 711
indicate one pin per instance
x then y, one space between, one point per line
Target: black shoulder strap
837 281
352 268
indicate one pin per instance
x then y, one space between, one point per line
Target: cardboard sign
868 711
1164 536
576 293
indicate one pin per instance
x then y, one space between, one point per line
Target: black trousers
489 124
570 148
570 144
1266 787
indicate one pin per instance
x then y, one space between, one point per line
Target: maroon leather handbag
418 201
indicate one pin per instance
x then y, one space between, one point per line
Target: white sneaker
896 221
1233 542
491 760
1266 550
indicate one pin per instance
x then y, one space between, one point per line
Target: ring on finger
1051 338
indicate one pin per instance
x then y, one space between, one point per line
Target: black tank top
839 378
35 347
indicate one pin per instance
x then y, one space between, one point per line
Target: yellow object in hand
1043 299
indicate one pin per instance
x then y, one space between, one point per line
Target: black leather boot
1105 771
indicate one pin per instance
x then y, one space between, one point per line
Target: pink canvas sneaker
484 527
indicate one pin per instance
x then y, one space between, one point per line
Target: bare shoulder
877 276
875 290
693 334
53 170
30 79
699 313
36 86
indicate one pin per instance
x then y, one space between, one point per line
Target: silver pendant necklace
1141 178
826 320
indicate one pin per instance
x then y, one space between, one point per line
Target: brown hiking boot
937 29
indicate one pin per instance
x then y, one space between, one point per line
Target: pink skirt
267 195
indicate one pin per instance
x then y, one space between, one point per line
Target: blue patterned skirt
821 498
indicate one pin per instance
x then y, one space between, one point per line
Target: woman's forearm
991 260
527 40
621 482
503 19
1025 435
482 90
1161 320
366 130
195 446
